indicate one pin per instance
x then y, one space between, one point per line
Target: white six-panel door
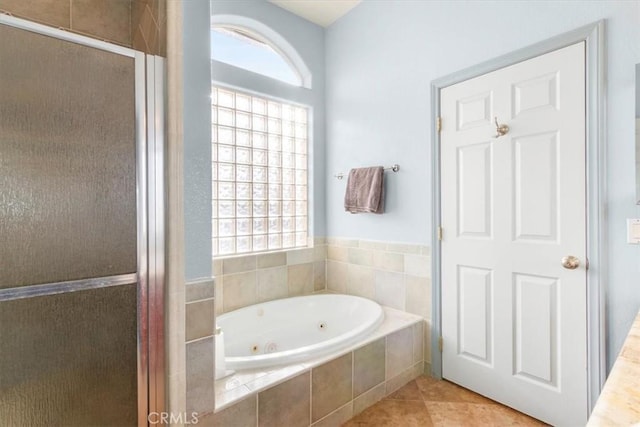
513 318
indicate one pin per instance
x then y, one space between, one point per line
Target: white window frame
270 37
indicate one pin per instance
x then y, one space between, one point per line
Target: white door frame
593 36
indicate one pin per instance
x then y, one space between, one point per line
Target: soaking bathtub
296 329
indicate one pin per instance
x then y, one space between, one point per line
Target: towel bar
394 168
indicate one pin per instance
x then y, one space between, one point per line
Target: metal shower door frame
149 134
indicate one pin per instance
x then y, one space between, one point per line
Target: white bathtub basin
296 329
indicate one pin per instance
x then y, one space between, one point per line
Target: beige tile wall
148 26
200 375
200 352
332 393
397 275
286 404
140 24
108 20
247 280
332 386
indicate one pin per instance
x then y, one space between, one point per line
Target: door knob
570 262
501 130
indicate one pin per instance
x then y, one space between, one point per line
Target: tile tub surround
199 346
327 390
396 275
246 280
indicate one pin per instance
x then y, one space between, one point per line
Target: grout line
353 373
199 300
333 412
257 409
198 339
311 395
386 359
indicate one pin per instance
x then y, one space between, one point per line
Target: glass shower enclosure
81 241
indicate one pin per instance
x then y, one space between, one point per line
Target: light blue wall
197 138
638 90
381 58
308 40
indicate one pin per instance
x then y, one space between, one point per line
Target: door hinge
438 124
440 232
440 344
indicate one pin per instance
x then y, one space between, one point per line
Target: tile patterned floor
428 402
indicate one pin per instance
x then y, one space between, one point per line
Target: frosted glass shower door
69 229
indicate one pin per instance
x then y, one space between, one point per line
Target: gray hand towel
365 190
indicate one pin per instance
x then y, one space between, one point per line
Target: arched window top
251 45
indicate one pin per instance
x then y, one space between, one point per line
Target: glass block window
260 174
